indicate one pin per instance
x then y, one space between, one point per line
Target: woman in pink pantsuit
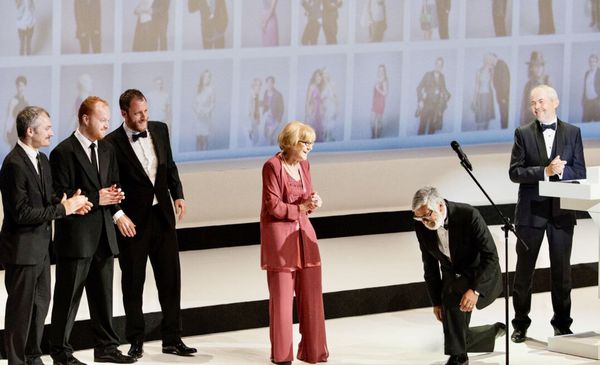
289 250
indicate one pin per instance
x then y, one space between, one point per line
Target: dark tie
137 136
93 156
548 126
41 174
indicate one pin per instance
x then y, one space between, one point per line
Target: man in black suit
591 91
85 245
545 149
160 22
453 237
330 20
214 19
499 15
29 207
443 13
501 84
149 177
88 21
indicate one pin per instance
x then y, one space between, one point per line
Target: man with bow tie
149 177
461 271
545 149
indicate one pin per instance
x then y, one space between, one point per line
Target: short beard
439 222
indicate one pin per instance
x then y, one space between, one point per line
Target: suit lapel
453 229
30 167
84 161
103 161
558 139
157 141
47 178
539 141
122 142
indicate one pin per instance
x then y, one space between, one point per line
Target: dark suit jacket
139 190
527 163
331 8
29 209
79 236
219 22
473 254
87 17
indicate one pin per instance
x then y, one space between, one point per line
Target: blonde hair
294 132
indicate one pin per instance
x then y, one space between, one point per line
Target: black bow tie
548 126
137 136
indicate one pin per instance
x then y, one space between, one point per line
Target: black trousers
28 288
499 16
95 274
330 28
157 241
560 243
459 338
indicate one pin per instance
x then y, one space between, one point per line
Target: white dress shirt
144 151
444 242
549 135
31 153
86 143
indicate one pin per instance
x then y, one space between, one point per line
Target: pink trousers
306 283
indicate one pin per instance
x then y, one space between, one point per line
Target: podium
584 196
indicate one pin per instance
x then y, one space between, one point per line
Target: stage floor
208 276
408 337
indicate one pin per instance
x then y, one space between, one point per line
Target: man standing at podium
546 149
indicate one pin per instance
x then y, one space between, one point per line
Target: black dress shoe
562 331
114 356
136 350
500 329
71 360
461 359
179 349
518 336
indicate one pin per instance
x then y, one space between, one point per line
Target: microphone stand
507 227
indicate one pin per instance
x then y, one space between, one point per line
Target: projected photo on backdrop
87 26
226 75
76 84
376 105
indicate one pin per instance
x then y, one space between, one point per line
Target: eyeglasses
425 217
307 143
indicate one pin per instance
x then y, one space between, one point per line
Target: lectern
582 195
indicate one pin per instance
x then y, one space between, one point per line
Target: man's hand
468 301
126 226
179 209
77 204
111 195
437 312
556 166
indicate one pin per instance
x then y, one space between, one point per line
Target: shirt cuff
118 215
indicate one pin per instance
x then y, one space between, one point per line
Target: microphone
461 155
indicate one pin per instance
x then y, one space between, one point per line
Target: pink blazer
282 224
